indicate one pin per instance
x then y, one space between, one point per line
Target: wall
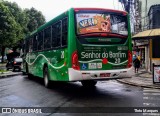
144 10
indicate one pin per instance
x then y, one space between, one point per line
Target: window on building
155 48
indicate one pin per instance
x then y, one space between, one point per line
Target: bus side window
56 34
27 45
31 44
47 38
40 41
64 31
35 43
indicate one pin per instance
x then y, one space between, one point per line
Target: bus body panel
100 59
108 59
103 57
76 75
55 60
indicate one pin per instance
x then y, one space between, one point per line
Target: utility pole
145 19
129 6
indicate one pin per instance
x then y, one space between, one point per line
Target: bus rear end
102 45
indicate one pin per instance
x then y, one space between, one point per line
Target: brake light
75 63
15 62
129 59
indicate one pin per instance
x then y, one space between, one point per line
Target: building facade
147 40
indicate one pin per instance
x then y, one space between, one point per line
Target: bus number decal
117 60
62 54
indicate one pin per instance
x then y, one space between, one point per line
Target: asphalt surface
20 91
141 79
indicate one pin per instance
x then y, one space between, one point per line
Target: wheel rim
46 80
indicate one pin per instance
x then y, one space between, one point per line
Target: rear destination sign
109 54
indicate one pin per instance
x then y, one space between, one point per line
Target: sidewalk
5 73
142 79
9 74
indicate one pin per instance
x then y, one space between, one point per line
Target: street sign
156 73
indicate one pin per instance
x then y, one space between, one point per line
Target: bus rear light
129 59
75 63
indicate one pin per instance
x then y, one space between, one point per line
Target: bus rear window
101 21
101 40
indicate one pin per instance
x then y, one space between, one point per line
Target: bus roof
110 10
49 23
66 13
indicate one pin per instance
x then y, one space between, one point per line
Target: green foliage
8 27
20 18
36 19
16 23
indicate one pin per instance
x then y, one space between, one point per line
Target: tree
20 17
16 23
36 19
8 28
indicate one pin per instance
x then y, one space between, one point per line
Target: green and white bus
81 44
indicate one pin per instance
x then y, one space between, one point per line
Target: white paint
46 60
76 75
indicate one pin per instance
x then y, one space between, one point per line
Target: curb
135 84
10 75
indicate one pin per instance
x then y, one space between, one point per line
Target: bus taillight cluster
75 63
129 59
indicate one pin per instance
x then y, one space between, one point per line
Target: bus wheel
13 69
27 72
46 78
89 83
24 73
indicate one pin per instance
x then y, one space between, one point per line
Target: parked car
14 64
4 59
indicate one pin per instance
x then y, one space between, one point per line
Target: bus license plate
105 75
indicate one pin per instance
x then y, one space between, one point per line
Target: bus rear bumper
76 75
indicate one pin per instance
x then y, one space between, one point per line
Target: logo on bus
88 22
84 66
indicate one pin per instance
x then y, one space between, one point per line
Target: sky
52 8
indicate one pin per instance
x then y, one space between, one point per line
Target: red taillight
129 59
15 62
75 63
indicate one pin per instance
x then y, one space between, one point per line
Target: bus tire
27 72
47 82
27 68
13 69
89 83
24 73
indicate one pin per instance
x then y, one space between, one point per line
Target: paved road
19 91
